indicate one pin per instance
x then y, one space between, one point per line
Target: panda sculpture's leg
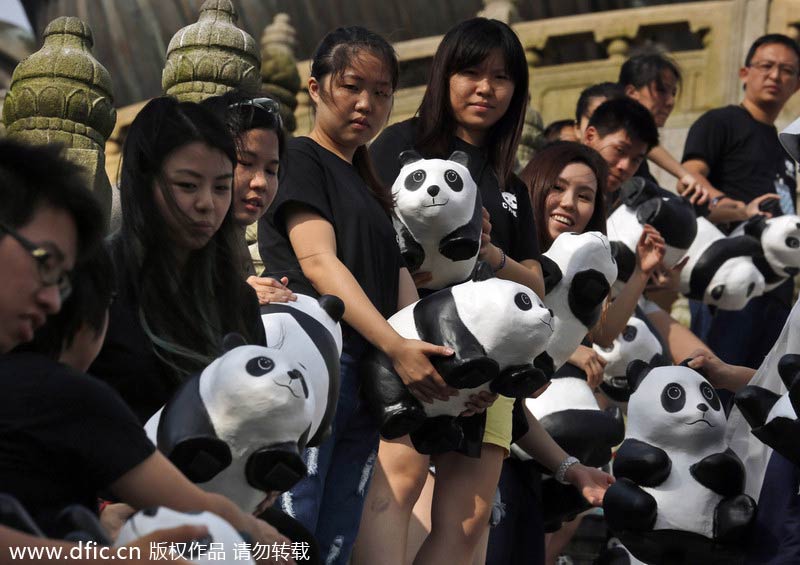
733 517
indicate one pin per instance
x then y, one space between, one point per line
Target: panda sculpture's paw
275 468
733 518
401 419
629 508
467 373
437 435
721 472
519 381
459 248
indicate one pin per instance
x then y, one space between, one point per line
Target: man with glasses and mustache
737 149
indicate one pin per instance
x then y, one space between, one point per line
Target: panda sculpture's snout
296 383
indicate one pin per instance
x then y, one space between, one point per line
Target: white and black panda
237 428
720 270
644 202
773 417
679 490
578 270
498 329
569 412
636 341
308 329
780 244
228 545
437 216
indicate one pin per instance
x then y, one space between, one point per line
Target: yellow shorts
498 423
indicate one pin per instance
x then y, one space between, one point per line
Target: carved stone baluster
62 94
504 10
530 140
211 56
618 48
280 79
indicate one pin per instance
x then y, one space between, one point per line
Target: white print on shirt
789 164
785 194
510 203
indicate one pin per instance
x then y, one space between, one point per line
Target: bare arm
680 339
527 272
157 482
721 374
688 181
314 242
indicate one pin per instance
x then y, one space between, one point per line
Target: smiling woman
176 256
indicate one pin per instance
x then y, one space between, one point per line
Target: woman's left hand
593 483
486 237
478 403
269 290
650 250
114 516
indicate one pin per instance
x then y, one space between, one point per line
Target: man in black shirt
737 149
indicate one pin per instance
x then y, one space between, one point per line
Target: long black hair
186 309
464 46
337 51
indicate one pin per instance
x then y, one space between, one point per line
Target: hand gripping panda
679 491
568 411
773 417
636 341
437 217
498 329
720 270
229 546
780 244
578 270
237 428
644 202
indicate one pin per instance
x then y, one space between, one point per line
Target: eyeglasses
268 105
765 68
48 261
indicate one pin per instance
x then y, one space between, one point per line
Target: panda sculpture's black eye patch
629 333
792 242
259 366
717 291
673 397
453 180
415 180
523 301
710 395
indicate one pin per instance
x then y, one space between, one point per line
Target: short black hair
33 176
607 90
770 39
553 131
628 115
645 68
93 284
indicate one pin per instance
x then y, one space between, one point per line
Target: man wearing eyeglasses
737 149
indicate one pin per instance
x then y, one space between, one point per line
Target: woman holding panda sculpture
329 232
475 102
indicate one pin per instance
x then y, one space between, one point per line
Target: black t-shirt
509 207
744 156
644 172
366 242
128 361
64 436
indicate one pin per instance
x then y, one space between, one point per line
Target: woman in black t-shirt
329 232
475 102
177 256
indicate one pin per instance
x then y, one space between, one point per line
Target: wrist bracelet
502 261
568 462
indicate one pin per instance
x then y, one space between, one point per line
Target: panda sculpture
498 329
790 139
438 217
773 417
237 427
780 244
228 545
679 491
720 271
578 270
636 341
644 202
569 412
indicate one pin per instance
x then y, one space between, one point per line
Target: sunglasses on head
268 105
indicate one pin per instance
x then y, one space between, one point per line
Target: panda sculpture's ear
636 372
409 156
551 272
482 272
685 363
332 305
755 226
636 190
789 368
232 341
459 157
625 259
